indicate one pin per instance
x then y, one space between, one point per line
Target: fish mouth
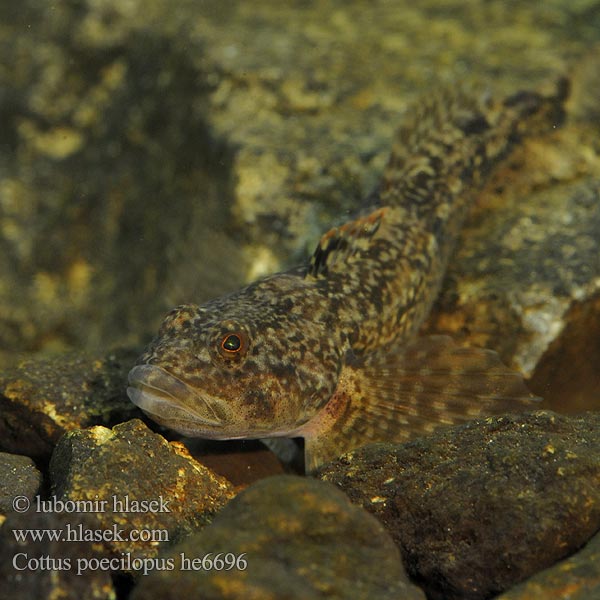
170 401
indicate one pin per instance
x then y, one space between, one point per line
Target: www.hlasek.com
79 533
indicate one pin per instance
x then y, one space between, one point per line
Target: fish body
328 351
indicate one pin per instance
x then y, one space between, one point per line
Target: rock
298 538
41 399
97 169
18 477
576 578
526 283
50 568
567 374
480 507
142 484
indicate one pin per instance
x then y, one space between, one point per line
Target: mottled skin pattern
322 351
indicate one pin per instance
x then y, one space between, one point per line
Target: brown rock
576 578
480 507
286 537
18 477
42 399
143 485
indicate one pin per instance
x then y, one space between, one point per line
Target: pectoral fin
410 392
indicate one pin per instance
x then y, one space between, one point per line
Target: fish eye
233 344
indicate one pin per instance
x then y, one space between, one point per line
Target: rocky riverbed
152 155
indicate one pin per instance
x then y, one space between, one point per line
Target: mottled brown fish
328 351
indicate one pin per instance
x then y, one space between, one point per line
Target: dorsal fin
339 244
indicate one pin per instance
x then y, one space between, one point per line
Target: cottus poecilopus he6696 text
329 351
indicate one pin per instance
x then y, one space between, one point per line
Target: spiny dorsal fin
339 244
410 392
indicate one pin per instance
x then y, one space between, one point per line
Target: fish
329 351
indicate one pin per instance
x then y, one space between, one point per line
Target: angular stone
18 477
299 538
576 578
140 482
41 399
477 508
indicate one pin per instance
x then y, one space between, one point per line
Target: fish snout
171 402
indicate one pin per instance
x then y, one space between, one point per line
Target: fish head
250 365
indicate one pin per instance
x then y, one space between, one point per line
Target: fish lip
169 400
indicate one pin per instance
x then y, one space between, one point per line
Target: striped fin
411 392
